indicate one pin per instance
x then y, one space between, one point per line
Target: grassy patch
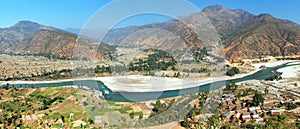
124 111
110 103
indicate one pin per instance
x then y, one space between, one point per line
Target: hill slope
60 45
264 36
243 34
20 31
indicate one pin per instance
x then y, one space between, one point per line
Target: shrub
232 71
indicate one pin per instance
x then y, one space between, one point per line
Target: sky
76 13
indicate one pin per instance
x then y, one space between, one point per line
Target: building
252 109
236 117
239 111
228 96
238 107
230 108
226 116
244 104
259 120
246 116
58 124
244 110
78 123
229 102
275 112
255 116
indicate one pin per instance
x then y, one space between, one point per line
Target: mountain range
30 38
243 35
20 31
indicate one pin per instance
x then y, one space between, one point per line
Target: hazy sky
75 13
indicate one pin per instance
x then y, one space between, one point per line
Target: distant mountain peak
26 23
214 8
265 15
18 32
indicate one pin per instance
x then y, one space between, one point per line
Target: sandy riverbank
290 71
139 83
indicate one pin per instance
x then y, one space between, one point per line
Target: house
78 123
255 116
244 105
229 102
237 102
226 116
258 110
275 112
230 108
236 117
252 109
239 111
244 110
228 96
58 124
246 116
259 120
238 107
232 112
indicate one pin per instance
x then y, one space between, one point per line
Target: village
243 112
242 106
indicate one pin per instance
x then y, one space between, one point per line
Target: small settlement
243 112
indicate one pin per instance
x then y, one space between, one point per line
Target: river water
138 96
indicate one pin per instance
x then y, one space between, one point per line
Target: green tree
258 99
266 90
232 71
131 115
141 115
159 107
290 106
185 123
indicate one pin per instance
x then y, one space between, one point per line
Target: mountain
61 44
30 38
227 22
244 35
264 36
18 32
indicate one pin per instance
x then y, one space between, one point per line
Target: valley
217 68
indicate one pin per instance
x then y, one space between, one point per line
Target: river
136 97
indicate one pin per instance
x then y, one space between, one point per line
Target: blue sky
75 13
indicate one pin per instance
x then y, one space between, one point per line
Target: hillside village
241 106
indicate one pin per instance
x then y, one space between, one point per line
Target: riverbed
147 87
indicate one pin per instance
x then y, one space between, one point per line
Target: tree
85 103
258 99
266 90
185 123
141 115
290 106
131 115
159 107
232 86
235 70
232 71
